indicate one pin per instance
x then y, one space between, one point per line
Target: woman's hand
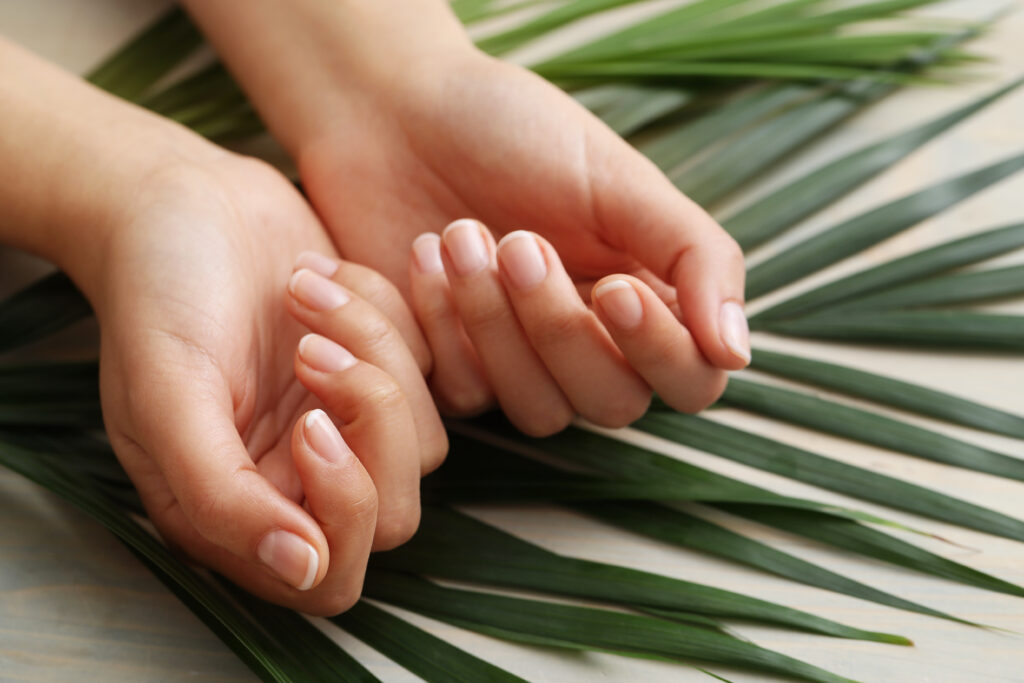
227 417
223 413
399 126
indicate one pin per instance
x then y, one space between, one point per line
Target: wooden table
74 605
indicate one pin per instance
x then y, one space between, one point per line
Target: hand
184 251
508 318
391 143
216 408
489 140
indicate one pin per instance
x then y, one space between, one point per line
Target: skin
186 253
403 139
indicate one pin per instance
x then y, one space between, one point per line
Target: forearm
309 62
71 157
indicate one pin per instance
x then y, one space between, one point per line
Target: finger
527 392
656 345
342 499
377 423
646 216
183 417
457 380
570 340
379 292
328 308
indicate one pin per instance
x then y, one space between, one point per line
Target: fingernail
426 251
290 557
520 256
323 437
320 353
317 292
317 262
735 331
466 247
620 303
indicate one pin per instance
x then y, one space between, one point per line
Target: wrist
319 63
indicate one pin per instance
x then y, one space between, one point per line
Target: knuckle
554 329
620 411
384 395
702 395
362 509
487 316
338 601
395 529
543 423
434 453
375 333
463 401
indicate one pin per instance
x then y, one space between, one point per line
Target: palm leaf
887 391
454 546
867 229
560 625
938 259
764 219
827 416
955 329
427 656
45 307
802 465
951 290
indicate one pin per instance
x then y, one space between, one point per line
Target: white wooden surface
74 605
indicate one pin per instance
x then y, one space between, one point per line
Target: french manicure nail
320 353
290 557
620 303
323 437
317 262
466 247
314 291
521 258
426 251
735 331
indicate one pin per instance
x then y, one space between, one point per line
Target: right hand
226 422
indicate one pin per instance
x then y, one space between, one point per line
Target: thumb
643 214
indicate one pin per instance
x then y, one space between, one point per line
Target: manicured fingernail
426 251
323 437
317 262
317 292
521 258
320 353
290 557
620 303
735 332
466 247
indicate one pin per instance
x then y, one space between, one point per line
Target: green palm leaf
802 465
867 229
938 259
764 219
454 546
560 625
427 656
830 417
887 391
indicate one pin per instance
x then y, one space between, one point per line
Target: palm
213 313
